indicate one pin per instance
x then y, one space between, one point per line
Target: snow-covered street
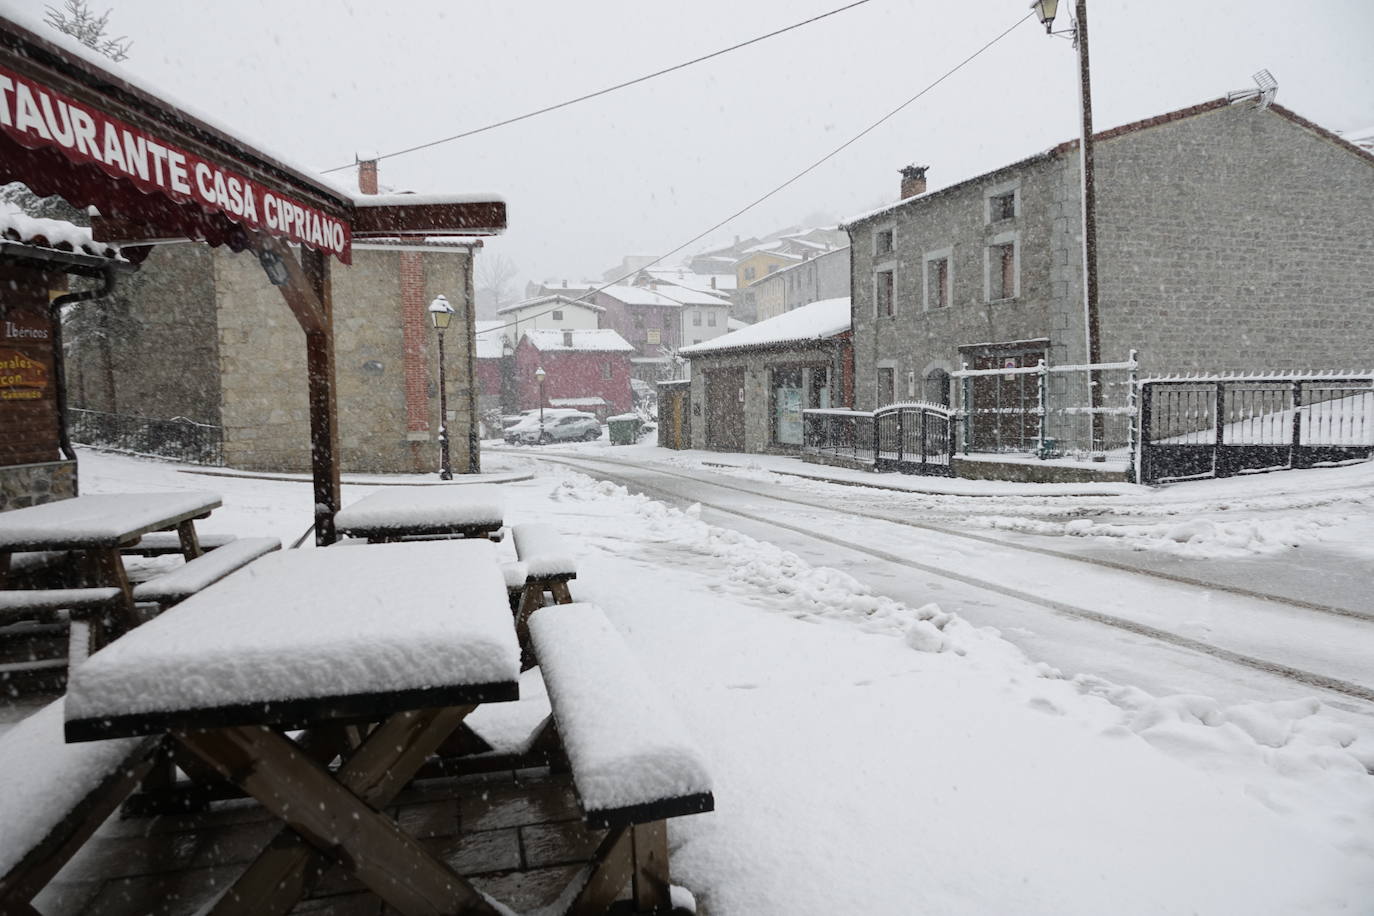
877 748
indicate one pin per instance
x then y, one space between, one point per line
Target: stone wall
951 223
159 336
30 484
757 367
1230 238
1235 240
266 411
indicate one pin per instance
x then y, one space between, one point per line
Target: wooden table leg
4 568
375 773
190 544
107 568
650 884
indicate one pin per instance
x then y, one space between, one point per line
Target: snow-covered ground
879 756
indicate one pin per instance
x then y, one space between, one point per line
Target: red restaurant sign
35 116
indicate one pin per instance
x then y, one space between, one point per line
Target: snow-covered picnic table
98 526
393 513
318 639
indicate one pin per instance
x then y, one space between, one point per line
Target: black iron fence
179 438
914 438
1219 426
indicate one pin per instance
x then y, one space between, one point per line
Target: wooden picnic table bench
55 796
632 760
318 640
96 528
400 513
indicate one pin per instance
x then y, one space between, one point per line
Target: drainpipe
474 440
107 284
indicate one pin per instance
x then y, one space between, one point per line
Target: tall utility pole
1045 10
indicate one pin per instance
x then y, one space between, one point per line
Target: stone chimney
367 176
913 180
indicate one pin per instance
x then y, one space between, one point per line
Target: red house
586 370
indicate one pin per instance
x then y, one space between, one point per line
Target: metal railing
914 438
1048 411
180 437
1217 426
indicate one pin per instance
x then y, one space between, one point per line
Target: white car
559 425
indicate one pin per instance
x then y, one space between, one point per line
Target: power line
803 173
608 89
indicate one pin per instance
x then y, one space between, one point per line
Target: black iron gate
1219 427
913 439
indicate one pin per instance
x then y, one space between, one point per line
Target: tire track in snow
1238 590
1302 676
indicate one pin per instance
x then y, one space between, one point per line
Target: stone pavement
519 835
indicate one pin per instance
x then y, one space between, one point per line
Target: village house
557 313
493 351
205 337
657 321
586 370
1231 236
749 387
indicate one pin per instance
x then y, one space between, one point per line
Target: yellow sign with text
22 377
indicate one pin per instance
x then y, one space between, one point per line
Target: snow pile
784 581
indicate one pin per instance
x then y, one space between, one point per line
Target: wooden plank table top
311 635
100 519
410 636
473 510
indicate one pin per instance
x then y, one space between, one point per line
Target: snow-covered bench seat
631 757
20 603
633 763
205 570
55 796
160 543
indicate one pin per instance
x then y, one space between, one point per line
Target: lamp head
540 375
1045 11
440 312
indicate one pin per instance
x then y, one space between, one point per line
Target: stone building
203 335
749 387
1231 236
825 276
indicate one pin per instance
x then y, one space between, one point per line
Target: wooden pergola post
309 293
324 413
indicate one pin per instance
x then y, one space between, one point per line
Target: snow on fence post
1132 431
965 413
1042 393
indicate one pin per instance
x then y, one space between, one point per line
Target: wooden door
725 410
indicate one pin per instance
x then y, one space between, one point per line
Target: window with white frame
1003 265
711 318
883 241
696 318
939 281
884 293
1002 203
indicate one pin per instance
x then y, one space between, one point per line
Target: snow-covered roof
56 234
639 295
592 401
682 276
689 296
735 324
603 340
817 321
550 302
1363 137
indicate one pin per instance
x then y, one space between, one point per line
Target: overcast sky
644 169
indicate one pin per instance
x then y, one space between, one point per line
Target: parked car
559 425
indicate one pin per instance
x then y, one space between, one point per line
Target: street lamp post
441 313
539 376
1045 11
